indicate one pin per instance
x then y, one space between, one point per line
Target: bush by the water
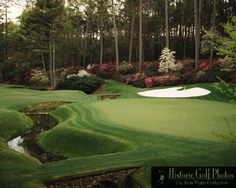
85 84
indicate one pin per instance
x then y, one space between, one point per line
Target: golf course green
189 118
98 135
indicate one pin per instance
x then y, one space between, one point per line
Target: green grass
13 124
14 166
129 131
190 118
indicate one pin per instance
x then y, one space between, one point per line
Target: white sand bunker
176 92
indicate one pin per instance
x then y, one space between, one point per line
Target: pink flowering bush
233 78
136 80
126 68
107 71
162 81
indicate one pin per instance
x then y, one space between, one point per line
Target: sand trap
175 92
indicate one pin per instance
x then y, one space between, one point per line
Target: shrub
162 81
139 83
204 66
83 73
226 89
187 77
121 78
17 72
94 69
126 68
233 79
85 84
136 80
167 61
200 76
107 71
151 68
39 78
187 66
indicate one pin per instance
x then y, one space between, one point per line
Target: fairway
191 118
97 136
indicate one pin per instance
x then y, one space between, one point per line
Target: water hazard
26 143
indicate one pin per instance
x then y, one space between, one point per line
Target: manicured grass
15 166
13 124
190 118
104 135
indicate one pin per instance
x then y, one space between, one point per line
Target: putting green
191 118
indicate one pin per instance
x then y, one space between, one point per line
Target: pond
27 144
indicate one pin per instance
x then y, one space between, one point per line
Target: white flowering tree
167 61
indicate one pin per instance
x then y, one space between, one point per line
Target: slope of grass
17 98
104 135
13 123
15 166
70 141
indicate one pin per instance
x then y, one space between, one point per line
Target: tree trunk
6 41
197 32
116 37
43 61
213 29
85 43
50 62
54 63
140 35
131 39
200 16
101 39
185 41
167 23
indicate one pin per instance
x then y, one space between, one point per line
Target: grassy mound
8 126
15 166
74 142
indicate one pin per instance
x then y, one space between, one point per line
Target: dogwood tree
167 61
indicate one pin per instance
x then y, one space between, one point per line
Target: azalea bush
85 84
188 77
83 73
137 80
151 68
38 78
126 68
107 71
233 78
162 81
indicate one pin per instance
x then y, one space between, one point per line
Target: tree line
58 33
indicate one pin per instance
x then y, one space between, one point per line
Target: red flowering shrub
162 81
187 65
136 80
107 70
204 66
233 78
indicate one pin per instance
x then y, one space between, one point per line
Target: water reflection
27 144
16 144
